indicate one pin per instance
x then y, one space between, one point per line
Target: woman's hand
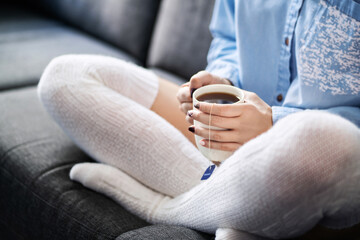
244 122
200 79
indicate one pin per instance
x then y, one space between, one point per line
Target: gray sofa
37 198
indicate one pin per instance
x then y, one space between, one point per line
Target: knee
319 149
54 72
59 72
322 135
329 138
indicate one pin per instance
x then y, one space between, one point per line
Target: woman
293 167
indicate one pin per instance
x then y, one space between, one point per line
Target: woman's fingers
200 79
216 135
224 110
183 95
186 106
247 120
189 119
225 146
216 121
204 78
240 135
184 98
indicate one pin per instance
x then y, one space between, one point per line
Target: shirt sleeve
350 113
222 56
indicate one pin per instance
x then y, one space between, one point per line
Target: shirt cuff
281 112
225 71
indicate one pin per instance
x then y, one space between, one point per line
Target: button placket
285 53
287 41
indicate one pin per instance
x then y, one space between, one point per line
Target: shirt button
287 41
279 97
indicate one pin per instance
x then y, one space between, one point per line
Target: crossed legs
301 172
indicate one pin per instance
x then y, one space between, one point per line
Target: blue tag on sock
208 172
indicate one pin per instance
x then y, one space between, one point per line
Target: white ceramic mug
214 154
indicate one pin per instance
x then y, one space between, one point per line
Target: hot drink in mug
216 94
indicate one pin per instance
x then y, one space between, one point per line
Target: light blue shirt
295 54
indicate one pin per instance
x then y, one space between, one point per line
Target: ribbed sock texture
103 105
303 171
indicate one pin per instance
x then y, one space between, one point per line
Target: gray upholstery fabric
182 39
28 42
38 200
169 76
163 232
127 24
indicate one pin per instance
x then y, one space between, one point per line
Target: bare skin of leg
167 106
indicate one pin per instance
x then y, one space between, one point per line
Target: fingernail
202 142
197 105
190 113
192 91
192 129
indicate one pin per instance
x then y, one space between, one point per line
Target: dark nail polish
197 105
190 114
192 129
192 91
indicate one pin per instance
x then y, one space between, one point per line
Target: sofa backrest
127 24
178 29
181 38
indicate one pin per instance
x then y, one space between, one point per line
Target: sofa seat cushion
38 200
164 232
29 41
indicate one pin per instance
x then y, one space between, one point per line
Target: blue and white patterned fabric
295 54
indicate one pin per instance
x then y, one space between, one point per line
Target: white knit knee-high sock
135 196
102 104
303 171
